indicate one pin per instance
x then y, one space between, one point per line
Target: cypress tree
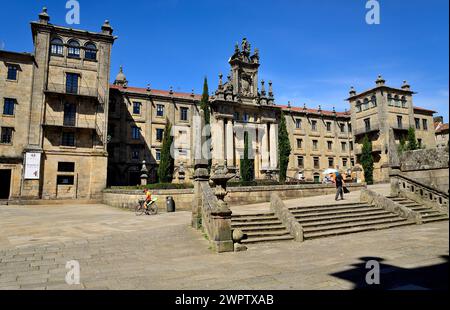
204 105
366 160
247 165
284 148
412 142
166 164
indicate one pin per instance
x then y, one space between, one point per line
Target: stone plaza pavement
118 250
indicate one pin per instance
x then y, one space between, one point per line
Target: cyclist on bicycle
148 198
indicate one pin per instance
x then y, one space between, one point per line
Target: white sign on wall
32 166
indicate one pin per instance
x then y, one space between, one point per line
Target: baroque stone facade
66 130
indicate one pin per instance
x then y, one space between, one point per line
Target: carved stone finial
320 109
304 106
106 28
289 104
220 81
405 85
171 90
263 88
44 18
149 89
380 81
270 89
352 91
192 93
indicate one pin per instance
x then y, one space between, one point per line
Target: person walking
338 180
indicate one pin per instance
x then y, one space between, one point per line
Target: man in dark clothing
339 181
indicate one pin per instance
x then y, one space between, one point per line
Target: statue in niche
246 85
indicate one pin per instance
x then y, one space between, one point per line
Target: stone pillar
273 146
264 146
218 140
230 143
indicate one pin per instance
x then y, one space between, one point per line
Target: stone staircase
339 219
428 214
260 227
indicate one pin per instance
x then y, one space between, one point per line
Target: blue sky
312 50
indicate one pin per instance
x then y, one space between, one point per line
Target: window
68 139
66 167
12 72
184 114
390 100
399 122
417 122
351 145
373 100
404 102
315 145
344 162
298 123
342 127
314 125
65 179
72 83
245 118
330 145
158 154
70 112
300 161
425 124
135 154
159 134
57 47
6 137
74 49
236 116
135 133
8 107
316 162
358 106
137 108
159 110
299 143
366 104
90 51
367 124
328 126
344 146
331 162
352 162
349 128
419 141
316 178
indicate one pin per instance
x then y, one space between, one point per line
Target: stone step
253 219
325 228
338 212
335 232
263 229
254 224
332 222
358 214
267 239
429 211
258 233
419 208
435 219
434 215
327 208
324 206
263 214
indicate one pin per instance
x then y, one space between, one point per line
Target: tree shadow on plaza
432 277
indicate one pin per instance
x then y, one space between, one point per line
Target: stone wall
428 166
236 196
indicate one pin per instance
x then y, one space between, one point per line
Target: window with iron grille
68 139
6 135
72 83
8 106
12 72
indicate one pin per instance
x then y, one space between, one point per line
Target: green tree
412 142
204 105
284 148
402 146
366 160
247 164
166 164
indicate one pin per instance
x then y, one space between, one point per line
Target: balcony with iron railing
78 121
366 130
73 90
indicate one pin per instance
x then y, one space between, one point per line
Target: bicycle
151 209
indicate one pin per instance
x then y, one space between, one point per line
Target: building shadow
432 277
